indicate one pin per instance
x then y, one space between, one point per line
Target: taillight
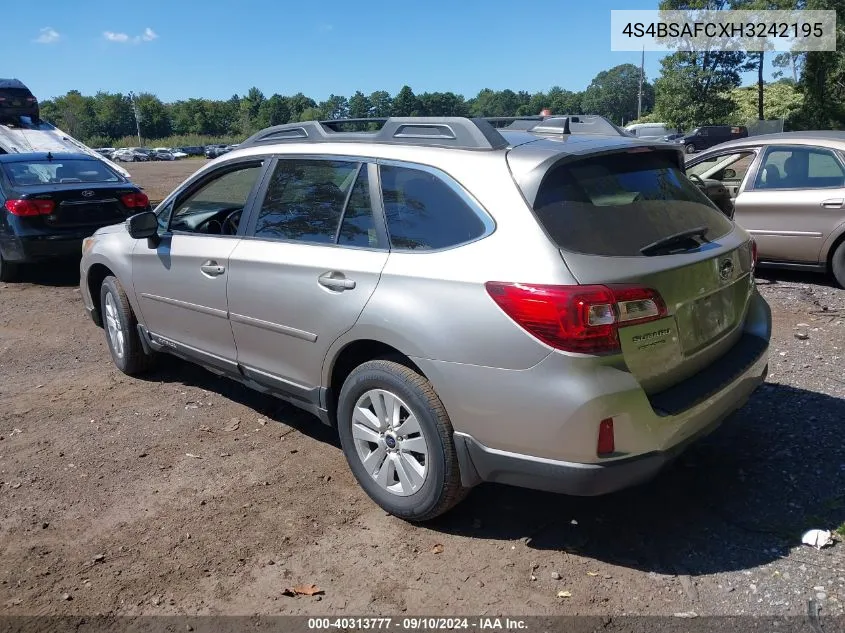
581 319
30 207
135 200
607 443
754 255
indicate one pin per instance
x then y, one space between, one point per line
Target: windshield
613 205
56 172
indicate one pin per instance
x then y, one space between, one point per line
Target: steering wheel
695 177
230 223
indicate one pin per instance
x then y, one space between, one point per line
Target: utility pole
640 95
137 116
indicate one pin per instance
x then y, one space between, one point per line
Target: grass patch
841 530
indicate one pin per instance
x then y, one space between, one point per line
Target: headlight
88 244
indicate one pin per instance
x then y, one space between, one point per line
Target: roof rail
453 132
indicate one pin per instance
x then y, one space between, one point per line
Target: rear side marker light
607 443
582 319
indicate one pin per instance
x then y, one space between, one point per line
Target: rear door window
305 200
616 204
800 168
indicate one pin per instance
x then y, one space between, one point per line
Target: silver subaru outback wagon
550 304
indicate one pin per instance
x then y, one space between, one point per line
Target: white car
170 150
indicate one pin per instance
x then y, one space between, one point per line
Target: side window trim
346 203
205 178
247 227
474 205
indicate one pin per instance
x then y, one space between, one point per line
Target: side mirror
143 226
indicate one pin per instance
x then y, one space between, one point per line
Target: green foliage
694 88
359 106
782 100
823 76
614 94
405 103
273 111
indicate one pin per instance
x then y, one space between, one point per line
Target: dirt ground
159 178
185 493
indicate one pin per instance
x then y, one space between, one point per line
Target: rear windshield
616 204
57 172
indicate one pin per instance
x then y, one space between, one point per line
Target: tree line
807 90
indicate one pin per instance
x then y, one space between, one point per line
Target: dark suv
16 101
707 136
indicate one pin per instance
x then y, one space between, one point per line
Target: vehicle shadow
174 370
737 499
58 273
775 276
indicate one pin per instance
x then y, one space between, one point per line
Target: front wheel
689 148
838 264
121 328
397 439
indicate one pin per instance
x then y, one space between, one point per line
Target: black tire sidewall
690 148
8 271
837 264
421 502
110 287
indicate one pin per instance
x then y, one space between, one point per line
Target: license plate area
706 319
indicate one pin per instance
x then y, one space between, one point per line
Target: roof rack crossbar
454 132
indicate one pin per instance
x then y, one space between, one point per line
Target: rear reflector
581 319
24 208
606 444
135 200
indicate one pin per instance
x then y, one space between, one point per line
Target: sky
179 49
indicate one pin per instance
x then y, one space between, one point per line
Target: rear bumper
480 463
38 248
538 427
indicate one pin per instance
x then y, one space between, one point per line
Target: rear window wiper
675 239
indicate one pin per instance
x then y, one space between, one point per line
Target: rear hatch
629 216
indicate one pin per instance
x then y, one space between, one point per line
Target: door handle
336 281
833 203
212 268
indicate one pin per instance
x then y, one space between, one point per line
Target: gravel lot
185 493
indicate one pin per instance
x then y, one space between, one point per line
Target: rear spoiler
529 177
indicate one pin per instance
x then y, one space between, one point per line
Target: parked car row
213 151
139 154
700 138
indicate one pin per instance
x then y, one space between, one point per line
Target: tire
837 264
121 329
689 148
9 272
414 497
